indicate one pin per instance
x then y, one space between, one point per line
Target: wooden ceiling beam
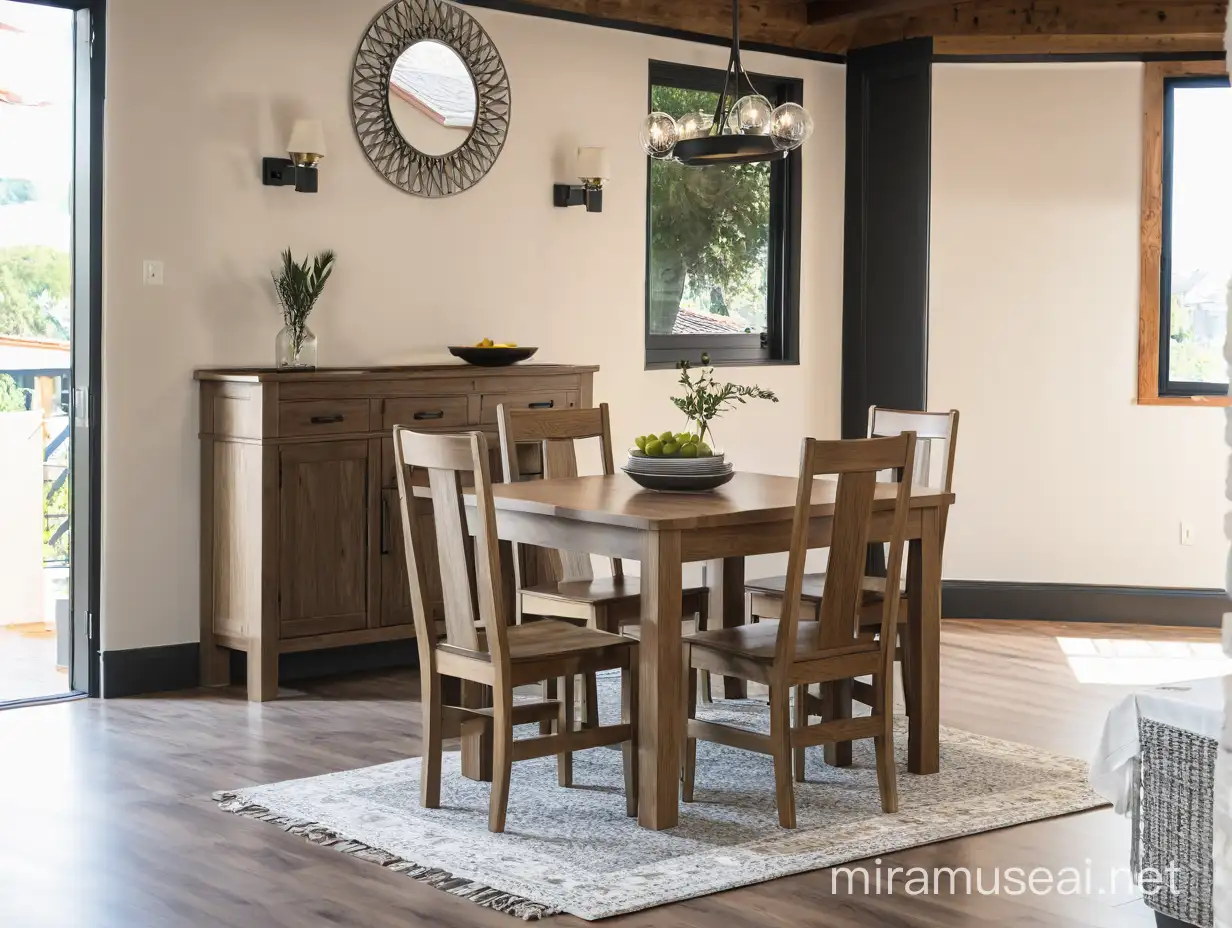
1057 26
834 12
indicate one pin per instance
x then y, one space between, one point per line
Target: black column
885 263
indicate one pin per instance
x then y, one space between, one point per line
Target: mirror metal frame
395 29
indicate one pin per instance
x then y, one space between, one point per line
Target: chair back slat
856 465
470 574
936 440
555 431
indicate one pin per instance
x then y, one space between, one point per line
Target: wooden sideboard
301 544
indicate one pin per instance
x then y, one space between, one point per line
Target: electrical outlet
152 273
1187 536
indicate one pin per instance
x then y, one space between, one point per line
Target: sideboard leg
262 671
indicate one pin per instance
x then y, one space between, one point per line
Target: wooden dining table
751 515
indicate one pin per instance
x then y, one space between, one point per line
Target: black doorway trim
885 241
532 9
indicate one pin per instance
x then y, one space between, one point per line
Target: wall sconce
306 148
592 169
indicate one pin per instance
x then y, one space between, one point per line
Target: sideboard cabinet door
323 556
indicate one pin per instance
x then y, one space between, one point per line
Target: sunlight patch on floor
1132 662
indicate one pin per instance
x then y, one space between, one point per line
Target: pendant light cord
735 71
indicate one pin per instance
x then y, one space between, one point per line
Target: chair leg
801 711
564 725
887 776
502 755
909 691
549 692
628 715
780 737
430 769
701 623
837 697
591 686
690 744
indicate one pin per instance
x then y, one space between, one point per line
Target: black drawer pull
545 404
437 414
327 420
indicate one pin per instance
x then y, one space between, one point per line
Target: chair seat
600 590
757 642
545 639
811 588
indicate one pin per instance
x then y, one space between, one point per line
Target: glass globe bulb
750 115
790 126
659 135
695 125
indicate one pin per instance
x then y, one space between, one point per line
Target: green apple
670 448
703 450
688 450
667 436
654 448
640 441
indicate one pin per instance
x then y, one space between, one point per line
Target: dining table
751 515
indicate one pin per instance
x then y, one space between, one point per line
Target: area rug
574 850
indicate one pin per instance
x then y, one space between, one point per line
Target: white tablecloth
1196 706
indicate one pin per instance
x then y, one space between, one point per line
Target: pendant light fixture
744 128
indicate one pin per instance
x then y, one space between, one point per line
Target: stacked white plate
645 464
678 475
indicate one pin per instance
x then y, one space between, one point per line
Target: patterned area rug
574 850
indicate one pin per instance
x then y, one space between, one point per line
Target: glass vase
296 348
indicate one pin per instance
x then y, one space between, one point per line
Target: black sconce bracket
283 172
578 195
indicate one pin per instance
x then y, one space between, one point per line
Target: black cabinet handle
384 524
545 404
435 414
327 420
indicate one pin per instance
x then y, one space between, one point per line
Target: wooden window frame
1151 281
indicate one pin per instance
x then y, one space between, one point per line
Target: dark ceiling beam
834 12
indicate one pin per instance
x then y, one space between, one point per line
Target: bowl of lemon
676 462
487 353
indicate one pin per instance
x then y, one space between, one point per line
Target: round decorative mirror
429 97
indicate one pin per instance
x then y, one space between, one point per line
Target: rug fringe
526 909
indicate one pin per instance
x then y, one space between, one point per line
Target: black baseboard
137 671
1063 602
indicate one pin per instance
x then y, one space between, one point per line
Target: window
1186 237
722 243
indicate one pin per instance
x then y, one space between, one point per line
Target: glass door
48 308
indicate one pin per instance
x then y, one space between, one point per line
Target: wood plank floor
107 821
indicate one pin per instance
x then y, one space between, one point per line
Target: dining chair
792 653
605 603
478 644
936 435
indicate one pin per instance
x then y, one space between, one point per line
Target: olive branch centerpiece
298 286
706 399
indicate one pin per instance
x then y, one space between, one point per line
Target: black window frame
781 342
1168 386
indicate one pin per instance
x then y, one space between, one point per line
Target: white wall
1033 336
198 93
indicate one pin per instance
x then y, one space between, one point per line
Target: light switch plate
152 273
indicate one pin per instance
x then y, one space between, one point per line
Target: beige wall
193 102
1033 336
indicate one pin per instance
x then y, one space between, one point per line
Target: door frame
90 91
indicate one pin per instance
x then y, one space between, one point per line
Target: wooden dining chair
791 653
574 593
936 435
479 646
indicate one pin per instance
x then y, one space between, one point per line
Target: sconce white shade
592 163
307 138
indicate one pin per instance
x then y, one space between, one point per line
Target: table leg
924 630
476 746
726 581
660 712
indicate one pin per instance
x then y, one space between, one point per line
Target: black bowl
491 357
680 483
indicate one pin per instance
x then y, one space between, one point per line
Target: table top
749 498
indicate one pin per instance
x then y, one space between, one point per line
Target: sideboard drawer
425 412
543 400
323 417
